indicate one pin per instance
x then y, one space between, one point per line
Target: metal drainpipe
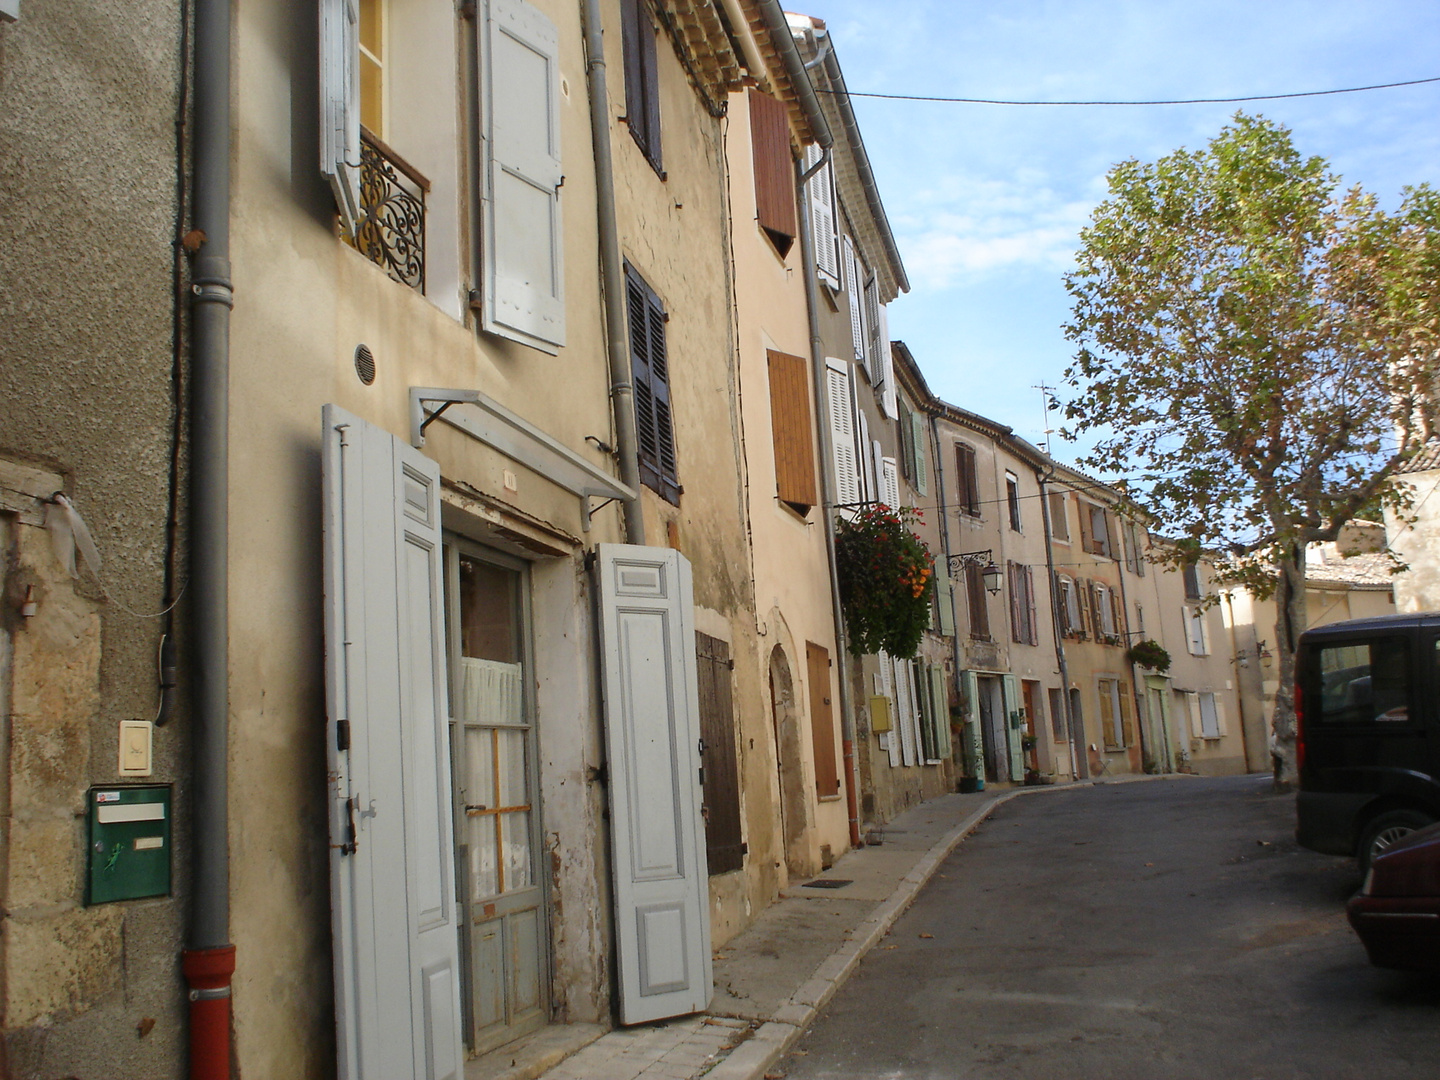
1079 762
956 647
209 959
612 273
827 500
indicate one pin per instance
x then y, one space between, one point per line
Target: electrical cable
1163 101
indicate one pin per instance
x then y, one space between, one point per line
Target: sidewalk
773 978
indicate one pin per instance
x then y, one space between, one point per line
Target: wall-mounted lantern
991 574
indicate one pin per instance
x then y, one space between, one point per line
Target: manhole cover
829 883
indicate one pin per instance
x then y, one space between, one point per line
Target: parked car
1397 910
1367 701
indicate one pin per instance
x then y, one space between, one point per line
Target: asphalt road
1167 929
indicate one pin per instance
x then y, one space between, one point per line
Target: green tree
1257 351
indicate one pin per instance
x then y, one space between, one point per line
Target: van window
1365 682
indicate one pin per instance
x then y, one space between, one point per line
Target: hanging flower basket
887 580
1150 654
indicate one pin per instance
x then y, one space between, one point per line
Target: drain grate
828 883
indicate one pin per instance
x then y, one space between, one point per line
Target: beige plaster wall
1418 589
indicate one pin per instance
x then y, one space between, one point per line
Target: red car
1397 910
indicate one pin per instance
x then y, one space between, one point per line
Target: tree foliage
1257 351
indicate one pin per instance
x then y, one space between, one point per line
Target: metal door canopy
486 420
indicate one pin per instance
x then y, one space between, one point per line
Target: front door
504 939
992 722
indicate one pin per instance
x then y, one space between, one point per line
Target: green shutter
920 458
942 710
945 601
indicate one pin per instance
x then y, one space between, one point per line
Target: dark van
1368 744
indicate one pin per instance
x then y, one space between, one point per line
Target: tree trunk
1289 623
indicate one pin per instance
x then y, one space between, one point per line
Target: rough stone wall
88 97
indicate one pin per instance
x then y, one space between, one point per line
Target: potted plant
887 580
1149 654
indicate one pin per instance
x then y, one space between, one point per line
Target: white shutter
821 189
945 600
1209 722
942 711
905 707
392 869
1014 725
887 681
652 736
340 105
857 321
889 400
1220 727
922 457
973 748
871 490
890 483
842 431
520 183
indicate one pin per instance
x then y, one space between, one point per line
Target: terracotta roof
779 77
705 48
1428 458
1371 571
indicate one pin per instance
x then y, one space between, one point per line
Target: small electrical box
128 856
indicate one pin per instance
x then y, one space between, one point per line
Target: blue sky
987 202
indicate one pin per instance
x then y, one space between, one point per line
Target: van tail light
1299 728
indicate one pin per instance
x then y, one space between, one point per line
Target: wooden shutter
869 477
340 105
650 367
967 480
1059 522
842 431
1014 726
945 598
1191 573
821 191
1127 714
652 737
521 175
906 707
720 780
1016 587
926 690
1087 538
887 687
874 344
922 457
774 169
889 400
822 721
642 73
791 431
1108 718
1192 704
891 483
975 594
905 436
973 748
392 850
940 696
857 320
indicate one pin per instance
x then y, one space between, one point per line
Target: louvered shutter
1012 579
889 400
857 320
887 687
905 692
945 598
842 431
922 455
520 182
869 482
1014 726
1220 727
973 746
941 698
891 494
1030 596
927 713
650 367
821 190
873 331
1197 725
340 105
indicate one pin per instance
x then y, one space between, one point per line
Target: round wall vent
364 364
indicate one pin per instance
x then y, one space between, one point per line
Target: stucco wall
87 164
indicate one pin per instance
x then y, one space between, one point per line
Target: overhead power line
1168 101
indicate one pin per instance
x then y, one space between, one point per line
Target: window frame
1012 500
967 480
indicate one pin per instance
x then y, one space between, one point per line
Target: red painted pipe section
852 808
208 972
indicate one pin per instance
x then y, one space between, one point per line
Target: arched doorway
789 764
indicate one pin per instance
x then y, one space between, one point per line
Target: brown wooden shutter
969 490
774 169
822 721
1087 535
724 846
649 365
975 593
1017 624
790 427
642 72
1032 622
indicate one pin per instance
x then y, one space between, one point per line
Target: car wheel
1386 830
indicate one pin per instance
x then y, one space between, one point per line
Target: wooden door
397 992
822 721
652 738
720 780
506 971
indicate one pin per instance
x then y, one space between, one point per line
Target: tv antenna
1045 399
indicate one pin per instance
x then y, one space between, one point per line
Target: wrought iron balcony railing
391 228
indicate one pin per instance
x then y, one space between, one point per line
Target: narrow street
1148 930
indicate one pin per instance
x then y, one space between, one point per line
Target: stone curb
752 1058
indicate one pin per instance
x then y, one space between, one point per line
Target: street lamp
991 574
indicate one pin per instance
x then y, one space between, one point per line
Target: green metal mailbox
129 843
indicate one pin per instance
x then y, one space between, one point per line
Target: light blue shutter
340 105
652 736
974 749
942 710
922 457
520 185
821 190
1014 726
842 431
392 851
